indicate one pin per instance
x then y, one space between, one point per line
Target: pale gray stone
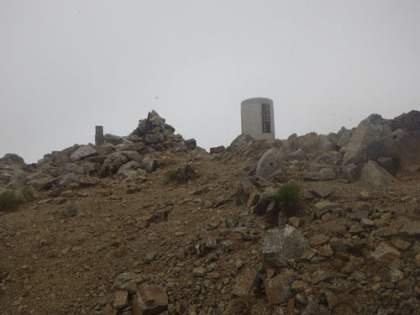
375 175
281 245
68 179
148 164
83 152
371 139
110 138
277 289
123 280
269 164
350 172
324 174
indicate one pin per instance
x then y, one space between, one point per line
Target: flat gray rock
83 152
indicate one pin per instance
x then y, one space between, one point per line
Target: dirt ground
52 263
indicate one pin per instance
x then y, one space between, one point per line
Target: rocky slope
111 233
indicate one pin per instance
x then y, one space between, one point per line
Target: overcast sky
66 66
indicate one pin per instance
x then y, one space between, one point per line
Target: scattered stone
320 276
386 162
149 164
150 300
319 239
68 179
385 253
324 206
298 286
191 144
376 175
322 192
364 195
277 289
71 210
83 152
356 229
150 256
396 275
411 228
213 275
365 222
281 245
121 299
216 150
400 243
371 139
324 174
350 172
417 260
144 221
244 283
110 138
199 271
309 253
123 280
294 221
326 251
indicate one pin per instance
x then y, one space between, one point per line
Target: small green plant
173 175
155 165
396 161
289 197
9 201
27 194
182 174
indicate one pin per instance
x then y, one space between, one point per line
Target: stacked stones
155 133
126 157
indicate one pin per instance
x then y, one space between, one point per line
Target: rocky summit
150 223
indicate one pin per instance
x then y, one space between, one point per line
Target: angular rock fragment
150 299
281 245
371 139
411 228
244 282
123 280
324 174
121 299
385 253
277 289
375 175
83 152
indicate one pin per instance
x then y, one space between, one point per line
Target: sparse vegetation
10 200
27 194
396 161
182 174
155 165
289 197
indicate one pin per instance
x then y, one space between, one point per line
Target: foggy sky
66 66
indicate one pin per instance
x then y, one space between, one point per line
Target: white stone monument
257 118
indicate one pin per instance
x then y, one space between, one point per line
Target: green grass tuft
289 196
9 201
396 161
181 175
